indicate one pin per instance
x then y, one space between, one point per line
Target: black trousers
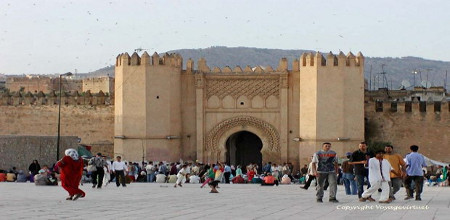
120 177
227 177
269 184
97 177
418 182
310 179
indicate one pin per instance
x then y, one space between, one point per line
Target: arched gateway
243 148
224 141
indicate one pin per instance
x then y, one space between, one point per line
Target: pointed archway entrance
243 148
216 139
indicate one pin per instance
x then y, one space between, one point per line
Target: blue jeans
150 177
349 183
360 183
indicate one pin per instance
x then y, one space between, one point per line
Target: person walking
71 168
349 177
359 159
414 164
218 174
399 166
208 175
181 176
379 177
227 173
119 168
311 176
325 167
107 171
97 175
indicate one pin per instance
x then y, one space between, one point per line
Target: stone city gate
217 138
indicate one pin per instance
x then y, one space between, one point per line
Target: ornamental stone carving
248 87
269 132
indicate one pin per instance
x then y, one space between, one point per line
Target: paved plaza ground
238 201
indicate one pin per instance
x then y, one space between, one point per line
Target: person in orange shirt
269 180
399 166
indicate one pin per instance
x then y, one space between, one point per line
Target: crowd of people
382 170
37 174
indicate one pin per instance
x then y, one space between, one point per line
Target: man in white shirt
119 168
150 172
181 176
379 177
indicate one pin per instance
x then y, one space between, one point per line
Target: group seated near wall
43 178
269 180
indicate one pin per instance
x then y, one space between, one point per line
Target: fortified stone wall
29 84
411 123
19 151
89 117
44 84
95 85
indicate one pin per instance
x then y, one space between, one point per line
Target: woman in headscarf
71 168
34 169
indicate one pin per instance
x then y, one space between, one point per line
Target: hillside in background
397 69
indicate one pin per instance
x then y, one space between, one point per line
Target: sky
58 36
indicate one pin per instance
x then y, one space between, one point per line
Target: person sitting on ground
238 179
285 179
142 177
172 179
11 176
194 179
21 177
269 180
160 178
258 179
41 179
51 177
2 176
250 174
85 178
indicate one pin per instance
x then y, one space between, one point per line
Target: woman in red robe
71 169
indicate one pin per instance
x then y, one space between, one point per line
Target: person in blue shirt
227 173
414 164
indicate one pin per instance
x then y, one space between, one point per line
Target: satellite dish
405 84
426 84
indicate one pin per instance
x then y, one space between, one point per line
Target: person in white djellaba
181 176
379 177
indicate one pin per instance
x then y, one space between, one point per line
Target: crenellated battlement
40 98
408 107
173 59
306 60
317 59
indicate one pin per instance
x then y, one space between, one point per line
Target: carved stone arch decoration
267 132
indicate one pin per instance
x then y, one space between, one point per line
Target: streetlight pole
59 115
